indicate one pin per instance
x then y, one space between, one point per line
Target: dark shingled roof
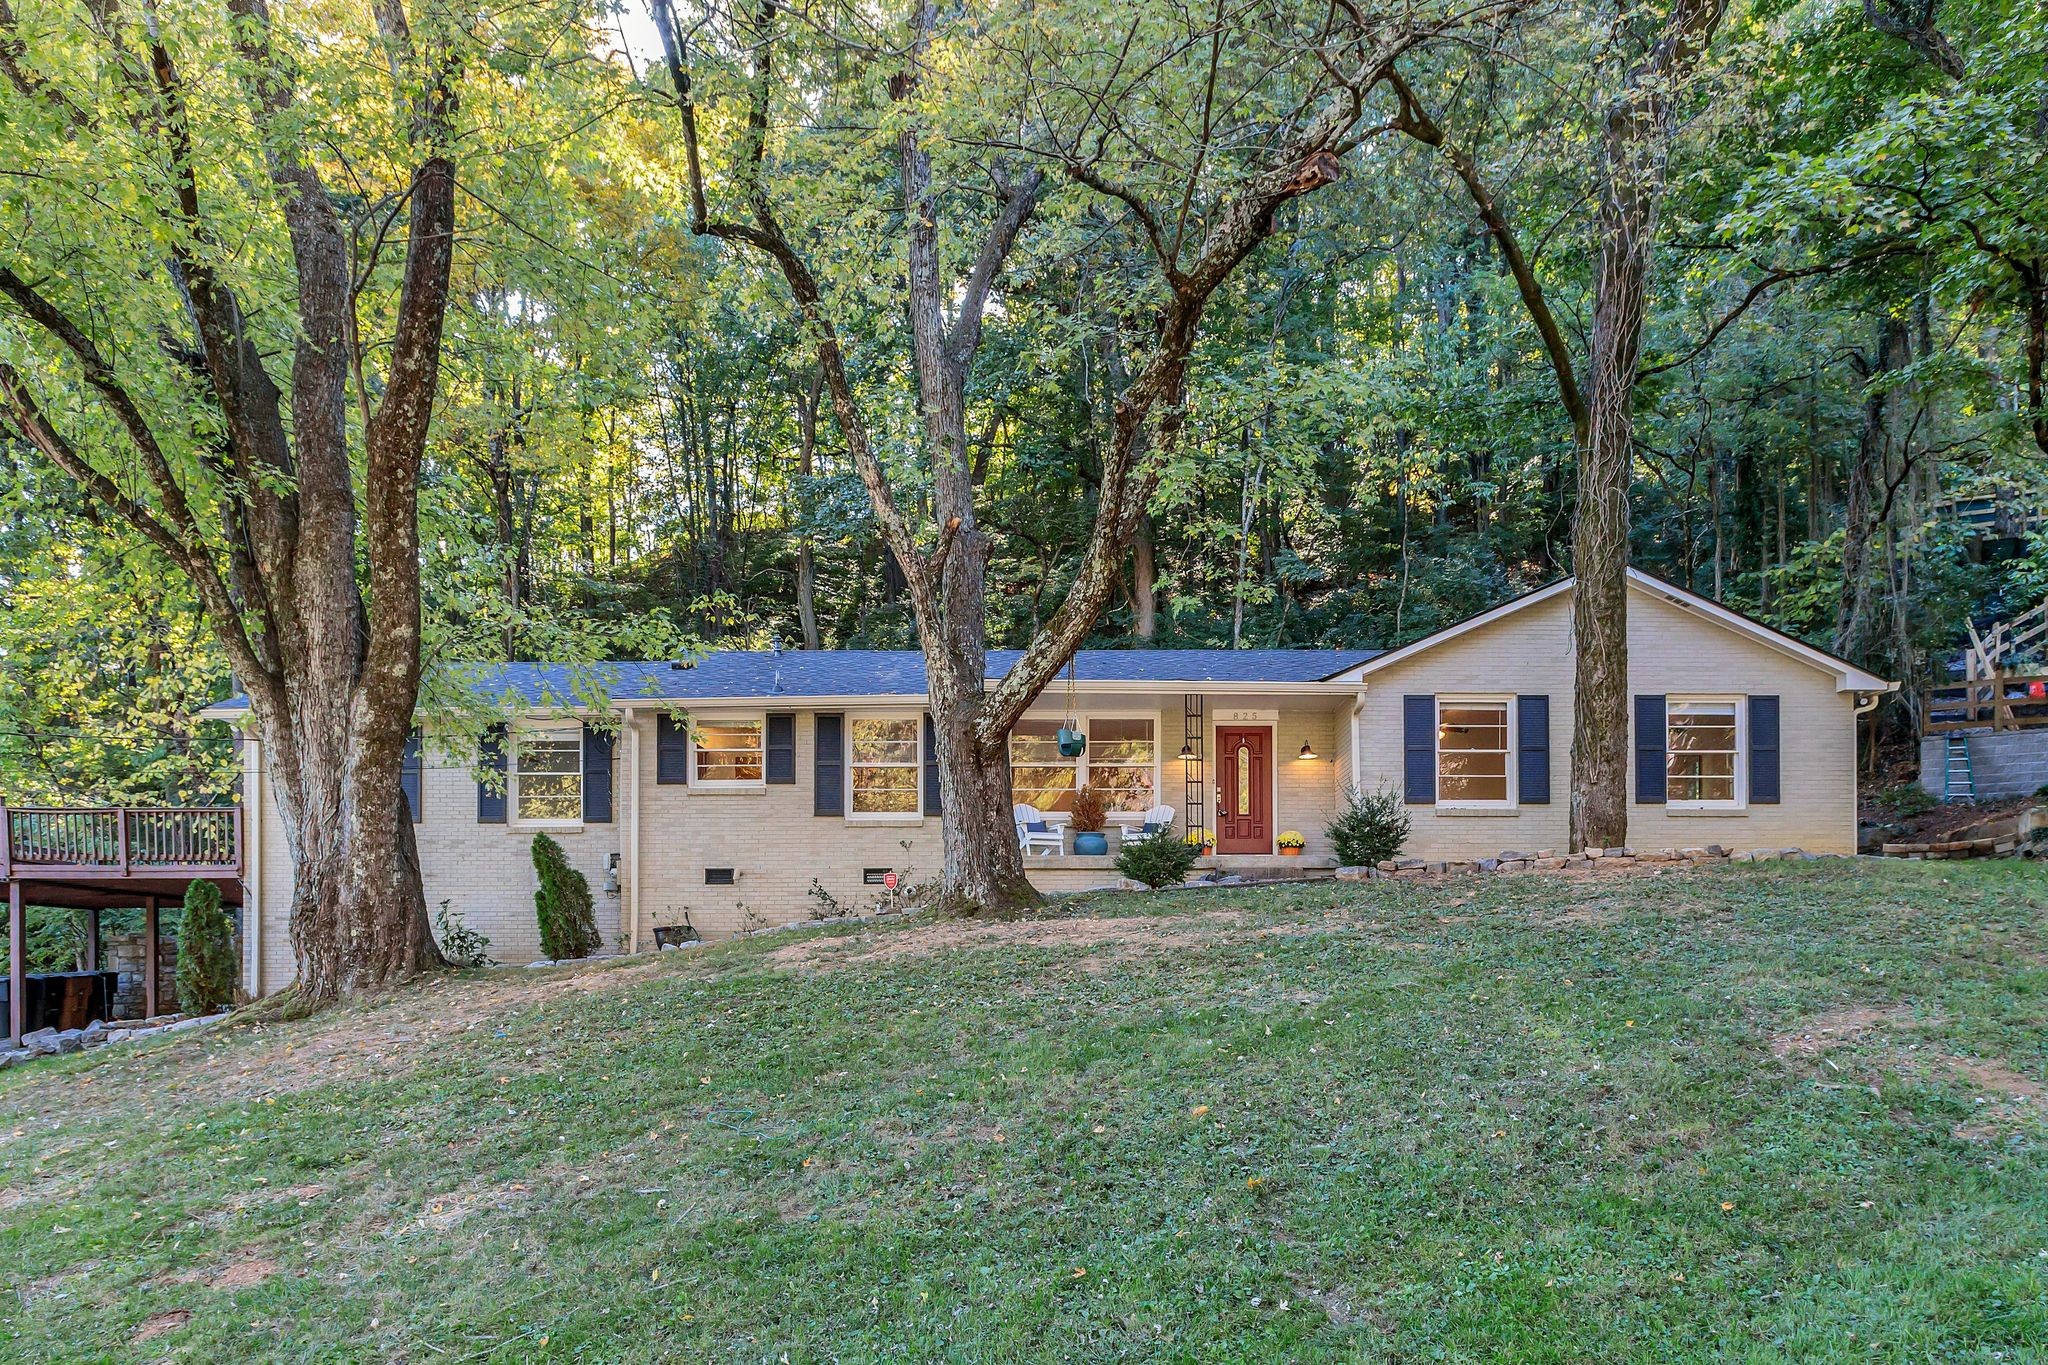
741 673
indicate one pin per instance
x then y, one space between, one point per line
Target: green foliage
460 944
206 952
1371 828
568 922
1159 861
1904 801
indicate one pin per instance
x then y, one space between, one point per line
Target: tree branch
1415 120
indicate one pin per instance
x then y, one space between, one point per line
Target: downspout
633 830
1866 702
1357 753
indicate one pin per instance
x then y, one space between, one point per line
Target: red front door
1244 789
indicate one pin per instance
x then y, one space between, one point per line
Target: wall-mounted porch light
1306 751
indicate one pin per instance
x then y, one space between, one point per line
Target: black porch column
17 963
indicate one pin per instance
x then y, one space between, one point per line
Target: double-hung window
546 775
1703 753
1121 761
1475 751
884 772
1121 764
729 753
1040 776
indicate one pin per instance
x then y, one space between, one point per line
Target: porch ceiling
115 892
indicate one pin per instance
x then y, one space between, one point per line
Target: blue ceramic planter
1091 842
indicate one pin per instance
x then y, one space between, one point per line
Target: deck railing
2009 702
122 840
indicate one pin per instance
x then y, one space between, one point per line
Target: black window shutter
671 751
409 775
490 758
597 777
781 754
1651 770
1532 752
1418 716
931 767
828 765
1763 751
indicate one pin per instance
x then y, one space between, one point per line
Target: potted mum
1203 840
1090 815
1291 843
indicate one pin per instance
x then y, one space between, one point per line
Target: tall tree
1635 142
1275 99
230 419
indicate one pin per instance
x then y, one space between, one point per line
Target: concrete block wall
2005 763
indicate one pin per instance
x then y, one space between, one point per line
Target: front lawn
1783 1111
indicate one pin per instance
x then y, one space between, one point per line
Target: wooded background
633 448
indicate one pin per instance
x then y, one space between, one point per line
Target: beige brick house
748 788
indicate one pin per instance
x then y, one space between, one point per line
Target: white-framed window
545 775
1122 763
1703 753
884 767
729 752
1041 776
1121 760
1475 751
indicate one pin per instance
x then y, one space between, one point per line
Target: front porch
109 858
1237 769
1084 872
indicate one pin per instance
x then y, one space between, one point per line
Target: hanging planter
1073 743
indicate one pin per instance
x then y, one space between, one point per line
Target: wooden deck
110 858
2010 701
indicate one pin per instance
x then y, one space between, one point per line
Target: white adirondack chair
1158 821
1034 834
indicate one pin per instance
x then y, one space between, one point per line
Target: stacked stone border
1590 860
50 1042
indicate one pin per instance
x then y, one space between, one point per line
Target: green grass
1517 1118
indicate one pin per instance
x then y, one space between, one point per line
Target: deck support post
92 939
149 957
17 964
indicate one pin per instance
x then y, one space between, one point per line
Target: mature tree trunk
1634 143
983 870
806 556
1144 583
1856 615
331 666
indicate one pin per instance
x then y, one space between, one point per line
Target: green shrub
568 923
1904 801
206 952
462 945
1370 829
1159 861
